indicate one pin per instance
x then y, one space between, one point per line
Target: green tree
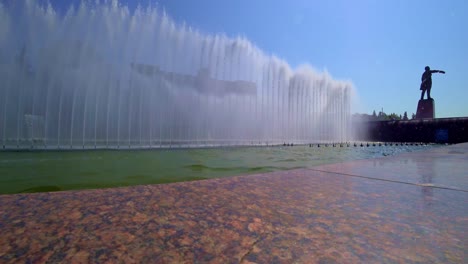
393 116
382 116
405 116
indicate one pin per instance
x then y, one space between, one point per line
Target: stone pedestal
426 109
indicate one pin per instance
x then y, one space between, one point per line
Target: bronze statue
426 81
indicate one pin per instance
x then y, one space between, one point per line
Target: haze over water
102 76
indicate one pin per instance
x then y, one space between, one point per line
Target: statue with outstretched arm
426 81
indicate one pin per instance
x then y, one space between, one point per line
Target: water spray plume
101 76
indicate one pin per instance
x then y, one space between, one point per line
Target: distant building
202 82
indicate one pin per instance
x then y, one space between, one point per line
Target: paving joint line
387 180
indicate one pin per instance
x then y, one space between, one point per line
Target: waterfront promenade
409 208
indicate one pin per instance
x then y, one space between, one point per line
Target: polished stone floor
410 208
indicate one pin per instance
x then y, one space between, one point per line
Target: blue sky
382 46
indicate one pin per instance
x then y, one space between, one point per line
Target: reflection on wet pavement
440 167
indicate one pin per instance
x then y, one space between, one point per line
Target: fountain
101 76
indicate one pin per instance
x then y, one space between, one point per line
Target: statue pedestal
426 109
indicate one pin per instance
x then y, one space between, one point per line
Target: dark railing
438 130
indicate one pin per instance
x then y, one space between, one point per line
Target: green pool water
36 171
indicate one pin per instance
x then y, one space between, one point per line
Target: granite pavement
409 208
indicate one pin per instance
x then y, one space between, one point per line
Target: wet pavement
410 208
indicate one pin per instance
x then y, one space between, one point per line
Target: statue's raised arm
438 71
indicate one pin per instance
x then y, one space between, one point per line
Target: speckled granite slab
357 212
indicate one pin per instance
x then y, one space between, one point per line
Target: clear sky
382 46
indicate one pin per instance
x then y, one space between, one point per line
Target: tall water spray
101 76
